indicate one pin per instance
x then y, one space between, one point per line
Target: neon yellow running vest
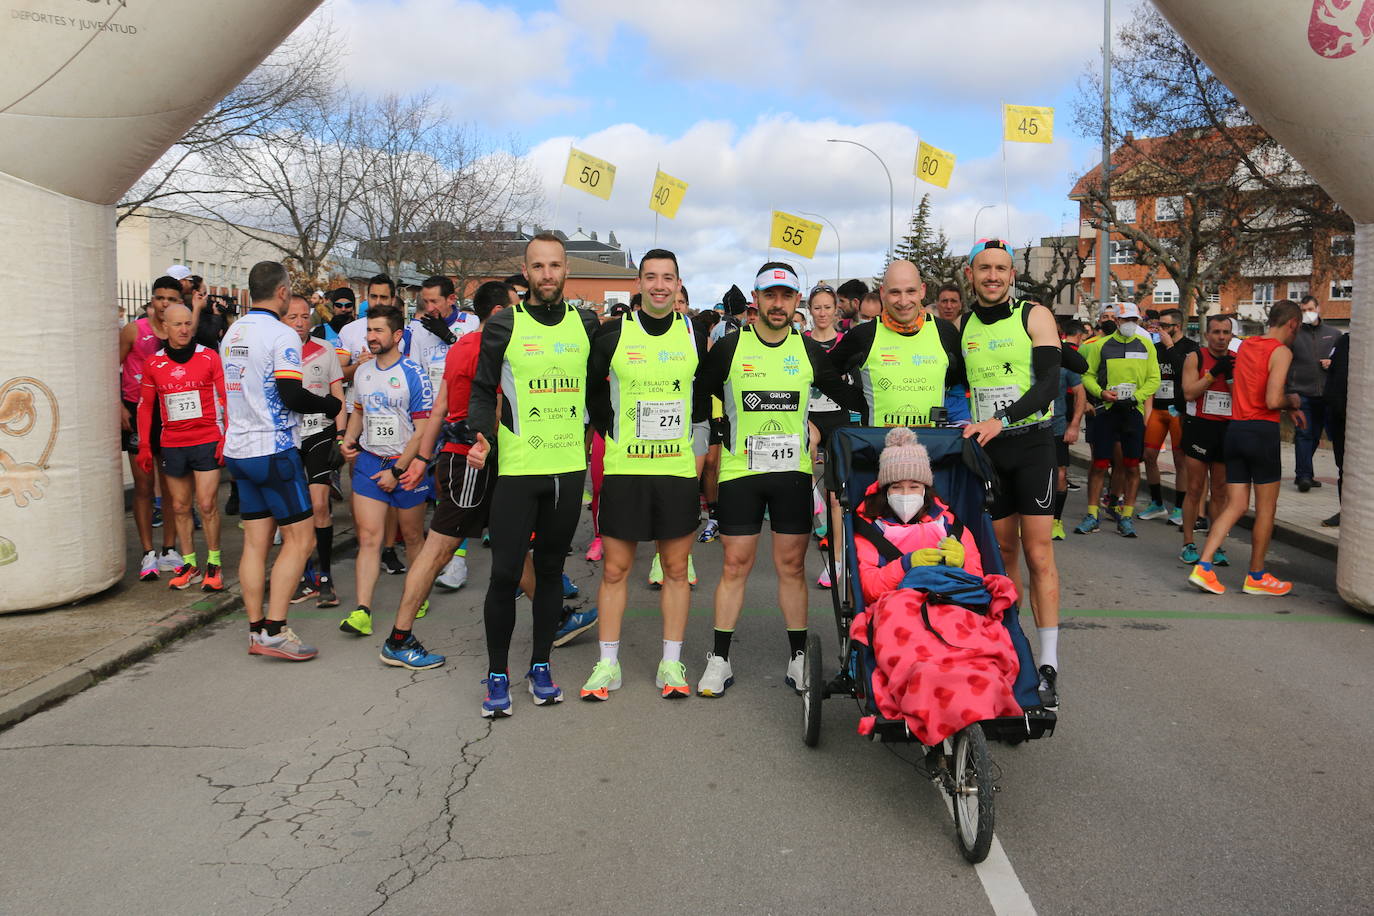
651 401
766 393
544 380
997 359
904 377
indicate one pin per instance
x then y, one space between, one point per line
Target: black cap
343 293
734 301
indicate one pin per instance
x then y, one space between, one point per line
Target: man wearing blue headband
1012 358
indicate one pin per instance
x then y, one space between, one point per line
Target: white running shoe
717 677
276 537
796 669
824 580
455 574
148 569
170 561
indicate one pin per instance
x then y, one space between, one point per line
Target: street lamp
975 219
838 275
891 205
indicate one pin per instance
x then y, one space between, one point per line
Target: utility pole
1104 258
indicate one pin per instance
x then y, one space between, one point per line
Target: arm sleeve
1072 360
1045 368
295 397
829 381
598 376
487 379
701 398
954 351
853 348
713 368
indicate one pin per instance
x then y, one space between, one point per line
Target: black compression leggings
548 507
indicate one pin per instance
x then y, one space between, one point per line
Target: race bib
773 452
383 431
1166 389
312 423
1125 391
821 404
436 375
660 420
987 401
181 405
1217 403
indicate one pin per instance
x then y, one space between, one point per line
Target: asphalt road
1212 757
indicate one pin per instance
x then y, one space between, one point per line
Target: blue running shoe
574 624
1088 525
1189 554
1125 526
710 532
570 588
410 654
542 687
496 704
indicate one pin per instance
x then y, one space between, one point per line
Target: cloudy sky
737 98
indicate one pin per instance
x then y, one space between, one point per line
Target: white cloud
737 178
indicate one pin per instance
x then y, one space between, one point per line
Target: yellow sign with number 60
590 174
934 165
794 234
667 194
1027 124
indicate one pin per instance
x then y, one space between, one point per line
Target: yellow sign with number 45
1027 124
590 174
794 234
934 165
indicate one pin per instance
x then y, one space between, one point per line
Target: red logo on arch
1339 28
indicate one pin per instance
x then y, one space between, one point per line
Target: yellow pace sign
1027 124
934 165
667 194
794 234
590 174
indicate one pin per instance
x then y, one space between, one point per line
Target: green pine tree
928 248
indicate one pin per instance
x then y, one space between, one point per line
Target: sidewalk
47 656
1298 520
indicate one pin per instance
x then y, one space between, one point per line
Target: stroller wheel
972 793
813 692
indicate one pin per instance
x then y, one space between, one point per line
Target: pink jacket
922 532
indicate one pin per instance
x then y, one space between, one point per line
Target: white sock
672 650
1049 646
610 651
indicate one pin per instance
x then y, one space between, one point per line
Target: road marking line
1000 884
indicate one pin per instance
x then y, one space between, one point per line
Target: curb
68 681
1284 532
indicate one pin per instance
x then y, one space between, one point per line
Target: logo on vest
635 355
923 359
561 347
791 365
906 415
535 441
772 427
554 381
654 450
532 349
771 400
672 356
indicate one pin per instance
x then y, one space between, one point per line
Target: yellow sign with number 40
667 194
794 234
1027 124
934 165
590 174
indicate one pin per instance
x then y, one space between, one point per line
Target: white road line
1004 890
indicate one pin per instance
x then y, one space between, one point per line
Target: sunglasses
1171 327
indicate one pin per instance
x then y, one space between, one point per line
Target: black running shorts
785 496
642 508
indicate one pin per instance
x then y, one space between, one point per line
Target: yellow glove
953 551
927 556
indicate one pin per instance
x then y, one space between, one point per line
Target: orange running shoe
214 579
1206 579
186 576
1268 584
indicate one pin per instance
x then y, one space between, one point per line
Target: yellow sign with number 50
934 165
1027 124
590 174
794 234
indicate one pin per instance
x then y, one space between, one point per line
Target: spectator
1337 377
1312 347
849 296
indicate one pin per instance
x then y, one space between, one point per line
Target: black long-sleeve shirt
496 335
852 351
599 368
715 367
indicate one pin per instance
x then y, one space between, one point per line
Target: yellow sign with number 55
934 165
1027 124
667 194
794 234
590 174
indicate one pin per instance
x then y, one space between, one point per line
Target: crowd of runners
477 421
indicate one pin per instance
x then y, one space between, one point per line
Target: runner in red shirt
184 383
1252 448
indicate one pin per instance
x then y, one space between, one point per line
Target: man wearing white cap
764 375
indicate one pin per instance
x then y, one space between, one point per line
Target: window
1214 298
1342 289
604 258
1123 252
1297 289
1301 250
1168 209
1166 292
1127 290
1125 211
1342 246
1263 292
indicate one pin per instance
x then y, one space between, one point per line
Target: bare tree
1064 270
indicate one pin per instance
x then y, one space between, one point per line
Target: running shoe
1072 484
717 677
328 597
186 576
570 588
1268 584
605 678
656 574
335 491
1176 517
1206 579
496 704
276 536
231 505
285 644
486 540
391 563
1057 530
710 532
148 571
691 572
540 681
455 574
1189 554
1125 526
796 672
824 581
822 528
214 579
574 624
422 610
594 549
358 623
1088 525
1220 558
170 561
672 680
1332 522
1153 511
304 590
1048 688
1202 523
157 513
195 518
410 654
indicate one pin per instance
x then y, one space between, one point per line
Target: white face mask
906 505
1128 328
1310 318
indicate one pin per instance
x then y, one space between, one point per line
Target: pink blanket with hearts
938 688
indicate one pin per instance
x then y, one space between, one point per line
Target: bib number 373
773 452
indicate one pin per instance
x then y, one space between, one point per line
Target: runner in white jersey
436 327
264 394
390 393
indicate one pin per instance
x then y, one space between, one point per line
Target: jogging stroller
962 766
